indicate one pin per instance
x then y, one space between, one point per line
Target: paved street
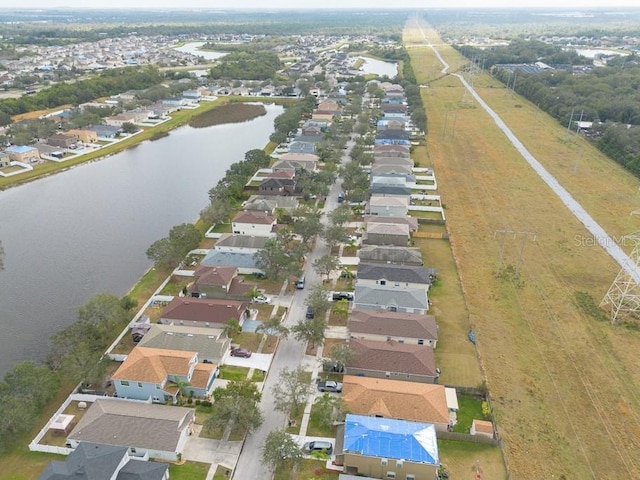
290 354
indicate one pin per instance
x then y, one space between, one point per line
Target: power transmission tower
504 233
514 235
623 296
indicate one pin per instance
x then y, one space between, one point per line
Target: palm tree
232 328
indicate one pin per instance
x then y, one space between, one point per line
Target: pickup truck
330 386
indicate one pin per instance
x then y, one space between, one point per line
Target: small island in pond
229 113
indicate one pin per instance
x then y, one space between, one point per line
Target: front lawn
232 372
189 471
308 469
316 428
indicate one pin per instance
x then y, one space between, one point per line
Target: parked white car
262 299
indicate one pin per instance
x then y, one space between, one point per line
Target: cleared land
565 390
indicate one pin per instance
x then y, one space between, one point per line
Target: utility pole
514 234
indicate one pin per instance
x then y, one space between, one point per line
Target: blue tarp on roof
391 438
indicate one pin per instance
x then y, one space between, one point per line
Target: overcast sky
324 4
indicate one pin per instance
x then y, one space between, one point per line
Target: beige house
383 326
23 154
386 448
85 136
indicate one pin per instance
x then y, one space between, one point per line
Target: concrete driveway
206 450
261 361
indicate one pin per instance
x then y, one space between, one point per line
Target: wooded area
608 96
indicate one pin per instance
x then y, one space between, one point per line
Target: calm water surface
378 67
193 48
85 231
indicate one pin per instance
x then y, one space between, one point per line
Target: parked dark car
310 314
330 386
240 352
342 296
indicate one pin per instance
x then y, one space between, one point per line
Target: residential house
393 360
308 165
411 222
231 243
211 344
302 147
390 206
253 223
391 151
94 461
391 134
48 152
389 297
245 262
391 141
279 182
390 124
405 171
84 135
390 185
272 202
387 448
393 161
62 141
388 254
159 431
386 234
5 160
408 276
219 282
23 154
204 312
418 402
108 132
157 374
382 326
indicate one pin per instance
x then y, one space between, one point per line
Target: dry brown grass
565 389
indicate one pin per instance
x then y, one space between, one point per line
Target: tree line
76 355
608 96
108 82
260 65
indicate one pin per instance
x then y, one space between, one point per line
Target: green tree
306 223
169 251
334 235
292 390
341 215
282 254
329 409
232 328
326 264
273 326
310 330
318 300
280 451
340 356
128 127
218 211
237 404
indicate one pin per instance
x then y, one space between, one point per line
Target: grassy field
564 387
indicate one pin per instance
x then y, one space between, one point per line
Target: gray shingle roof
216 258
385 296
89 461
188 339
398 255
241 241
394 273
133 424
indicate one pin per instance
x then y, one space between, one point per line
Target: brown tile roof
153 365
215 276
202 374
420 402
383 322
284 173
133 424
252 216
392 357
204 310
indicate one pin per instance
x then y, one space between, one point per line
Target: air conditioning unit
384 461
399 463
